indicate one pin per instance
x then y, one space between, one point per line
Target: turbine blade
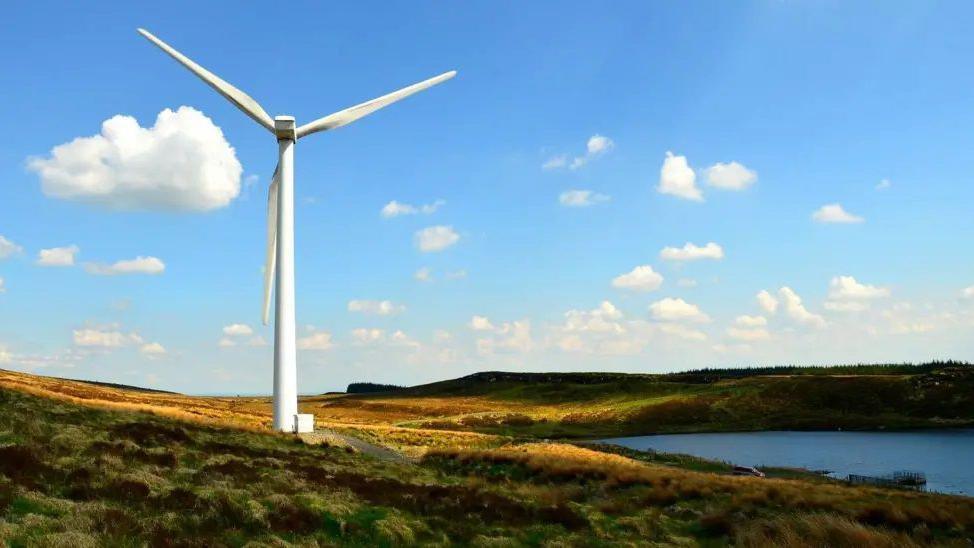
351 114
244 102
270 263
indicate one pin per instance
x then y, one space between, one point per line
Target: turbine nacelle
285 128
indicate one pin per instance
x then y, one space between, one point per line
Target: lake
945 456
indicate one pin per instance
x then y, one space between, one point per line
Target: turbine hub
284 128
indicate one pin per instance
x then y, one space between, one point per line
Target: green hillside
611 404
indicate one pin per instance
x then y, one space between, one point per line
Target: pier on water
904 478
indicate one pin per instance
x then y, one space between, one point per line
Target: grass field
72 475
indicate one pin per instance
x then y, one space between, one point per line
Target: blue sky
800 105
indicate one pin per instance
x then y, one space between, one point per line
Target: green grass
607 405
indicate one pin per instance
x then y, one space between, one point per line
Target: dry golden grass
252 413
904 509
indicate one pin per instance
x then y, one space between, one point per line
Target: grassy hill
550 405
74 475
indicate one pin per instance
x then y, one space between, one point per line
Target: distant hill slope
937 394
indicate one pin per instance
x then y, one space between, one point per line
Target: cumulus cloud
138 265
480 323
793 306
510 337
968 292
670 309
834 213
104 338
750 321
8 248
378 308
602 319
749 329
315 340
182 163
58 256
581 198
435 238
152 350
687 282
677 178
732 176
641 278
847 288
596 146
692 252
395 209
767 302
238 330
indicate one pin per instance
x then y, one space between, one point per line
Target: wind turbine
280 220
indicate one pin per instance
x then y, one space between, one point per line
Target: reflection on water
945 456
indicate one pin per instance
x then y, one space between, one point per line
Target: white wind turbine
280 220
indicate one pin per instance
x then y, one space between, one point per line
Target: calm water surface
945 456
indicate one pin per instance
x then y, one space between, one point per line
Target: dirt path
326 435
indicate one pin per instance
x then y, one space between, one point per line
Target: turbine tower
280 221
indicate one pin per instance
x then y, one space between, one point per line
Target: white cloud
670 309
424 274
2 288
600 320
257 341
793 306
686 282
182 163
692 252
847 288
364 335
555 162
138 265
152 350
435 238
748 334
379 308
511 337
677 178
641 278
8 248
101 338
315 340
732 176
226 342
58 256
238 330
395 209
834 213
581 198
596 146
481 323
750 321
968 292
885 184
767 302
